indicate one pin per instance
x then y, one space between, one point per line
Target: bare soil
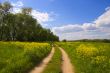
66 64
44 63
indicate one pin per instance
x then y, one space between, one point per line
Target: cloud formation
67 29
42 17
97 29
17 4
104 19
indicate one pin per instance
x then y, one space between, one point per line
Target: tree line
22 26
90 40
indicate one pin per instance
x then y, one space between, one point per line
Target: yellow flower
86 51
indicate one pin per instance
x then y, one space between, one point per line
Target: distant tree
64 40
26 10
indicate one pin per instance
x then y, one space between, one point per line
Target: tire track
66 64
44 63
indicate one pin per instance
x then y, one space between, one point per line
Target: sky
70 19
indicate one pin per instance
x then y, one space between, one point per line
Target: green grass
88 57
54 65
17 57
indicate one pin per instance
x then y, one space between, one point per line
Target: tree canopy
22 26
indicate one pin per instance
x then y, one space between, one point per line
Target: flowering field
19 57
88 57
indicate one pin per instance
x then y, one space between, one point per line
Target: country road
66 64
44 63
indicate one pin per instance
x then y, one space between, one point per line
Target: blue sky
71 15
70 11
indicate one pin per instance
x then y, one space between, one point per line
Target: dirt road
66 64
41 67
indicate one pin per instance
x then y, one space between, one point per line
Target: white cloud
16 10
67 29
97 29
89 26
97 34
104 19
17 4
42 17
70 28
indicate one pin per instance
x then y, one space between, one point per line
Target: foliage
93 40
22 26
19 57
64 40
89 57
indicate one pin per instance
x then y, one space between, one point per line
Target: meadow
88 57
20 57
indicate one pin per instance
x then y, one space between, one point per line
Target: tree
26 10
22 26
64 40
4 11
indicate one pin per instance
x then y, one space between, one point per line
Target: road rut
44 63
66 64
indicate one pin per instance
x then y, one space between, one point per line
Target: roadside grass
20 57
88 57
54 65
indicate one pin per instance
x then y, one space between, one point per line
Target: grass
88 57
18 57
55 65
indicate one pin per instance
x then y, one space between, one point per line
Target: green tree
22 26
4 11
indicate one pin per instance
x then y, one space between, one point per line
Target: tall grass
18 57
88 57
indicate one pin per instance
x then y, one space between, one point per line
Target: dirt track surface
41 67
66 64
